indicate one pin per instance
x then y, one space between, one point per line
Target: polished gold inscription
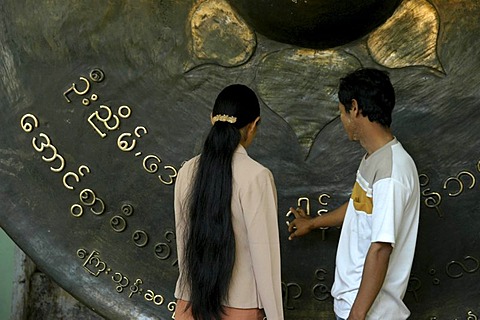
306 202
432 199
74 89
88 198
76 210
155 298
118 223
458 180
75 176
124 145
95 266
171 307
28 127
121 281
93 261
45 145
106 121
471 315
140 238
96 75
135 288
320 199
150 164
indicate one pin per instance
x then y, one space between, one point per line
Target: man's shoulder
393 162
402 160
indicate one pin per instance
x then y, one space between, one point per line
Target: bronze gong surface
101 102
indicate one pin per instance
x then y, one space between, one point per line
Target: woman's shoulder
190 162
187 167
249 168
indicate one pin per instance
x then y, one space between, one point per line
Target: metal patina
102 101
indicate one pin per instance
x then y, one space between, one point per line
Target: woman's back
256 271
226 219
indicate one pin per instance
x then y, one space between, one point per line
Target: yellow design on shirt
361 201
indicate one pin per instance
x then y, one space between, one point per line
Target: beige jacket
256 279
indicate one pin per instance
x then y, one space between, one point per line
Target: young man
380 220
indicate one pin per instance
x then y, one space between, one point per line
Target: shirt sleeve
259 202
389 202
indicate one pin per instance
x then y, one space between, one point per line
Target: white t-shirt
384 207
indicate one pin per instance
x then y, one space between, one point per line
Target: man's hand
353 316
301 225
374 272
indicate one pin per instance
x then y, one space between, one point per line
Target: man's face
347 122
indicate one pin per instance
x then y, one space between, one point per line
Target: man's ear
354 110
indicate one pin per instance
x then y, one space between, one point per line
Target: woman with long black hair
226 222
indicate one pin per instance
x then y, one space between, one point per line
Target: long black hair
210 244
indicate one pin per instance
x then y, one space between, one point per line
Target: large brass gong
102 101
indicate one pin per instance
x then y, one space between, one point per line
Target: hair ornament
224 118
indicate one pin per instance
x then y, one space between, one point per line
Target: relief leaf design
408 38
300 85
220 36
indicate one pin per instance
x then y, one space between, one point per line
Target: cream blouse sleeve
259 202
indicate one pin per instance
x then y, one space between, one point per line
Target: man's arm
303 224
374 271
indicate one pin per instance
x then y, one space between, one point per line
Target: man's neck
374 137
